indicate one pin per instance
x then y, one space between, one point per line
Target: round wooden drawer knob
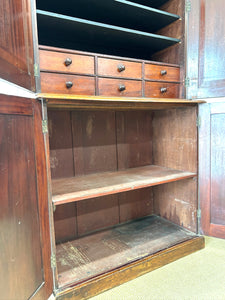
121 68
163 72
163 90
68 61
69 84
122 87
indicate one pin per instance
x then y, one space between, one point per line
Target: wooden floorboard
107 250
85 187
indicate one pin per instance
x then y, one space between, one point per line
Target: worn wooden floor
109 249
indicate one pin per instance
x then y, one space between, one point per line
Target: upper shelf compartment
152 3
120 13
85 35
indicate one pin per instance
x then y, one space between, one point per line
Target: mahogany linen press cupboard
107 171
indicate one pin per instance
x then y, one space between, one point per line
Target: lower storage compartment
124 185
107 250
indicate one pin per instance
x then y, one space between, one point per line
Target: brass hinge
198 122
53 261
199 213
36 70
188 6
44 126
187 82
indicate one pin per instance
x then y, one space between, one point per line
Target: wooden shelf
73 189
66 101
107 250
121 13
80 34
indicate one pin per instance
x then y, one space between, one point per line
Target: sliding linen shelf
81 34
85 187
119 13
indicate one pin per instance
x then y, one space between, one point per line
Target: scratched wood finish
134 139
97 213
163 73
107 183
20 241
55 62
154 89
107 250
94 142
61 144
110 87
16 44
211 169
56 83
175 146
65 222
135 204
109 67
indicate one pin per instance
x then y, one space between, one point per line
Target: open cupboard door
205 71
25 260
212 169
16 43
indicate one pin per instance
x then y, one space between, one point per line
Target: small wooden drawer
119 87
67 84
66 62
119 68
161 90
164 73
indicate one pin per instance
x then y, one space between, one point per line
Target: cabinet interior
85 146
135 29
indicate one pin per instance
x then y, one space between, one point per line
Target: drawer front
119 68
119 87
66 62
67 84
161 90
164 73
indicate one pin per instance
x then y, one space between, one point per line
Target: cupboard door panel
16 43
24 261
212 170
206 62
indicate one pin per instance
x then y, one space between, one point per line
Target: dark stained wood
82 85
110 87
97 213
110 249
134 139
131 271
43 204
24 240
55 62
175 146
135 204
15 105
211 169
154 89
61 144
16 44
107 183
94 142
153 72
206 32
65 222
109 67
